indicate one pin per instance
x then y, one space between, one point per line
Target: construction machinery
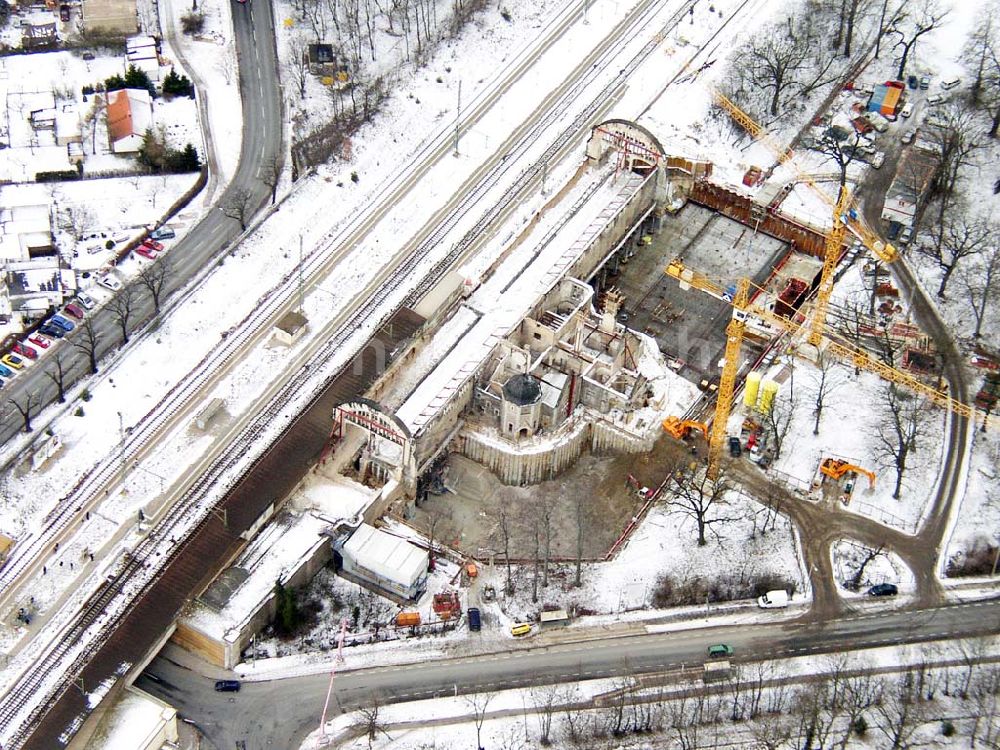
680 428
844 217
836 468
745 308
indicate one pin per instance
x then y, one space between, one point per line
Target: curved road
253 26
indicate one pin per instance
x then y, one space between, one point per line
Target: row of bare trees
123 306
845 705
816 44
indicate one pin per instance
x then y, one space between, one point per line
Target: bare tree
777 421
981 46
79 220
901 430
297 67
954 140
26 407
545 700
238 205
86 341
57 374
122 306
503 529
861 692
872 554
154 277
981 283
479 702
957 238
580 518
918 18
270 175
691 493
370 718
827 378
899 713
985 690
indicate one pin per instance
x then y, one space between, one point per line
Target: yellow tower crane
844 218
743 308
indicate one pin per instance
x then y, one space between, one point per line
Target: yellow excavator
836 468
680 428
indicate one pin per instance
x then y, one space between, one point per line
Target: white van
950 83
777 599
907 110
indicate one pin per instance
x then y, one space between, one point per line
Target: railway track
193 509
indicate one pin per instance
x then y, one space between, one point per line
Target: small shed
886 100
290 327
553 618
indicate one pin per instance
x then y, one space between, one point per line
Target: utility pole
121 452
458 118
300 275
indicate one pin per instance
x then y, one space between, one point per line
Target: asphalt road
280 713
262 140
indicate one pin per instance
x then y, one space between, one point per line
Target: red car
24 350
145 252
75 310
40 341
153 245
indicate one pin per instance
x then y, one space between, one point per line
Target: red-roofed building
130 115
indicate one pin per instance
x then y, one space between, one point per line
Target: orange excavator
680 428
836 468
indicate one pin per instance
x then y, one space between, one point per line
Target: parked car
935 99
883 589
519 629
145 252
925 82
6 372
50 330
777 599
475 622
109 282
735 448
60 322
950 83
906 235
907 110
40 341
75 310
86 301
24 350
163 233
876 160
64 12
12 360
720 651
227 686
907 137
894 229
153 245
912 81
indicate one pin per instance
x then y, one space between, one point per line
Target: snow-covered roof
388 556
130 112
274 555
134 721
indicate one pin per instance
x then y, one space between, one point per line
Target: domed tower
521 406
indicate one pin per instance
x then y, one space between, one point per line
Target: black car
63 12
475 623
735 448
883 589
227 686
52 331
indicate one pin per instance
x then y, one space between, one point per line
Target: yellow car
519 629
13 360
